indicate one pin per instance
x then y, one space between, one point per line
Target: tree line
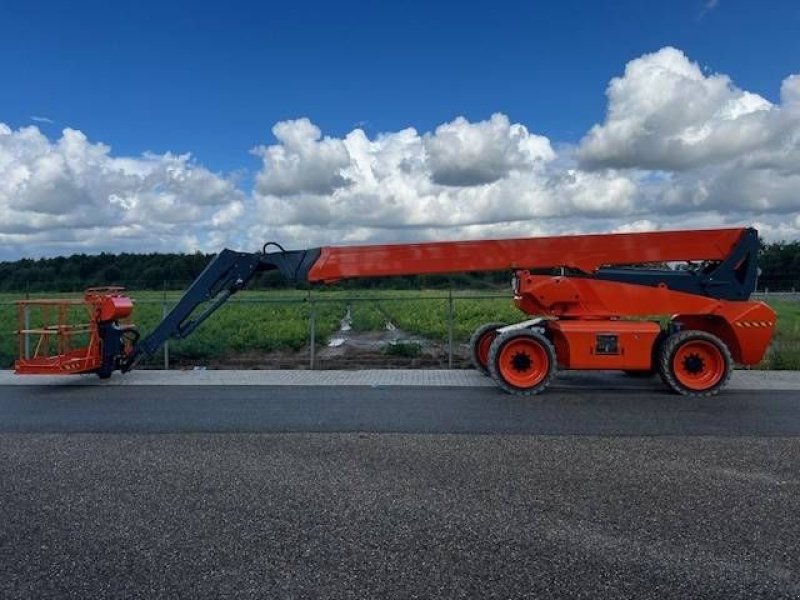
779 262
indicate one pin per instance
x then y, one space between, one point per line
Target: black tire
673 344
104 373
473 345
496 369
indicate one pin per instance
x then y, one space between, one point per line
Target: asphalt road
137 409
597 493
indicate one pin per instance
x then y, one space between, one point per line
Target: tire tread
473 344
671 345
497 346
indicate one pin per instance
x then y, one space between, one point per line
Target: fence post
164 311
27 325
450 329
312 330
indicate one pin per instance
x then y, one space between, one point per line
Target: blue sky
137 125
212 77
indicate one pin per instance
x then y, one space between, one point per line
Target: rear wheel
479 344
695 363
522 362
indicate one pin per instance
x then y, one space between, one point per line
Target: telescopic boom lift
593 315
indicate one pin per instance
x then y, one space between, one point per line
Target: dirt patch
359 354
433 356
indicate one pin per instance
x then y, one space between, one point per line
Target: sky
186 126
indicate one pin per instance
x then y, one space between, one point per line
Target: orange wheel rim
698 365
523 363
484 343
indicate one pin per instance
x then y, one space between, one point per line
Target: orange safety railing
49 343
60 336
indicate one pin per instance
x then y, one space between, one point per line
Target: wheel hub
521 362
694 364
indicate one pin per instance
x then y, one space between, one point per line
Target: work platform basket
62 336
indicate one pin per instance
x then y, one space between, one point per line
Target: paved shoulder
741 380
584 410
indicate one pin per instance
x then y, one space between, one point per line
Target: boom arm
228 273
586 253
731 274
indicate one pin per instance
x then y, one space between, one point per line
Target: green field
267 321
785 352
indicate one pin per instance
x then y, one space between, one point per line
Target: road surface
376 490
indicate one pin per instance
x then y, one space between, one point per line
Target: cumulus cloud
718 146
72 194
461 175
301 161
664 113
680 147
464 154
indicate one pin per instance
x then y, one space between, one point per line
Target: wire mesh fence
316 330
332 329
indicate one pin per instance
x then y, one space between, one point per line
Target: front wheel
522 362
695 363
104 372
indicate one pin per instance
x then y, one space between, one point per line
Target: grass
252 321
405 349
367 315
265 321
785 351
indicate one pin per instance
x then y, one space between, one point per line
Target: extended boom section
585 253
596 312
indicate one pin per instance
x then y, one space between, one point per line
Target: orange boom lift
590 315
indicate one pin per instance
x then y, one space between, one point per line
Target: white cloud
73 195
301 161
717 146
463 153
681 147
790 92
462 175
664 113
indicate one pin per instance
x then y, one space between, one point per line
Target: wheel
104 373
479 345
695 363
522 361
